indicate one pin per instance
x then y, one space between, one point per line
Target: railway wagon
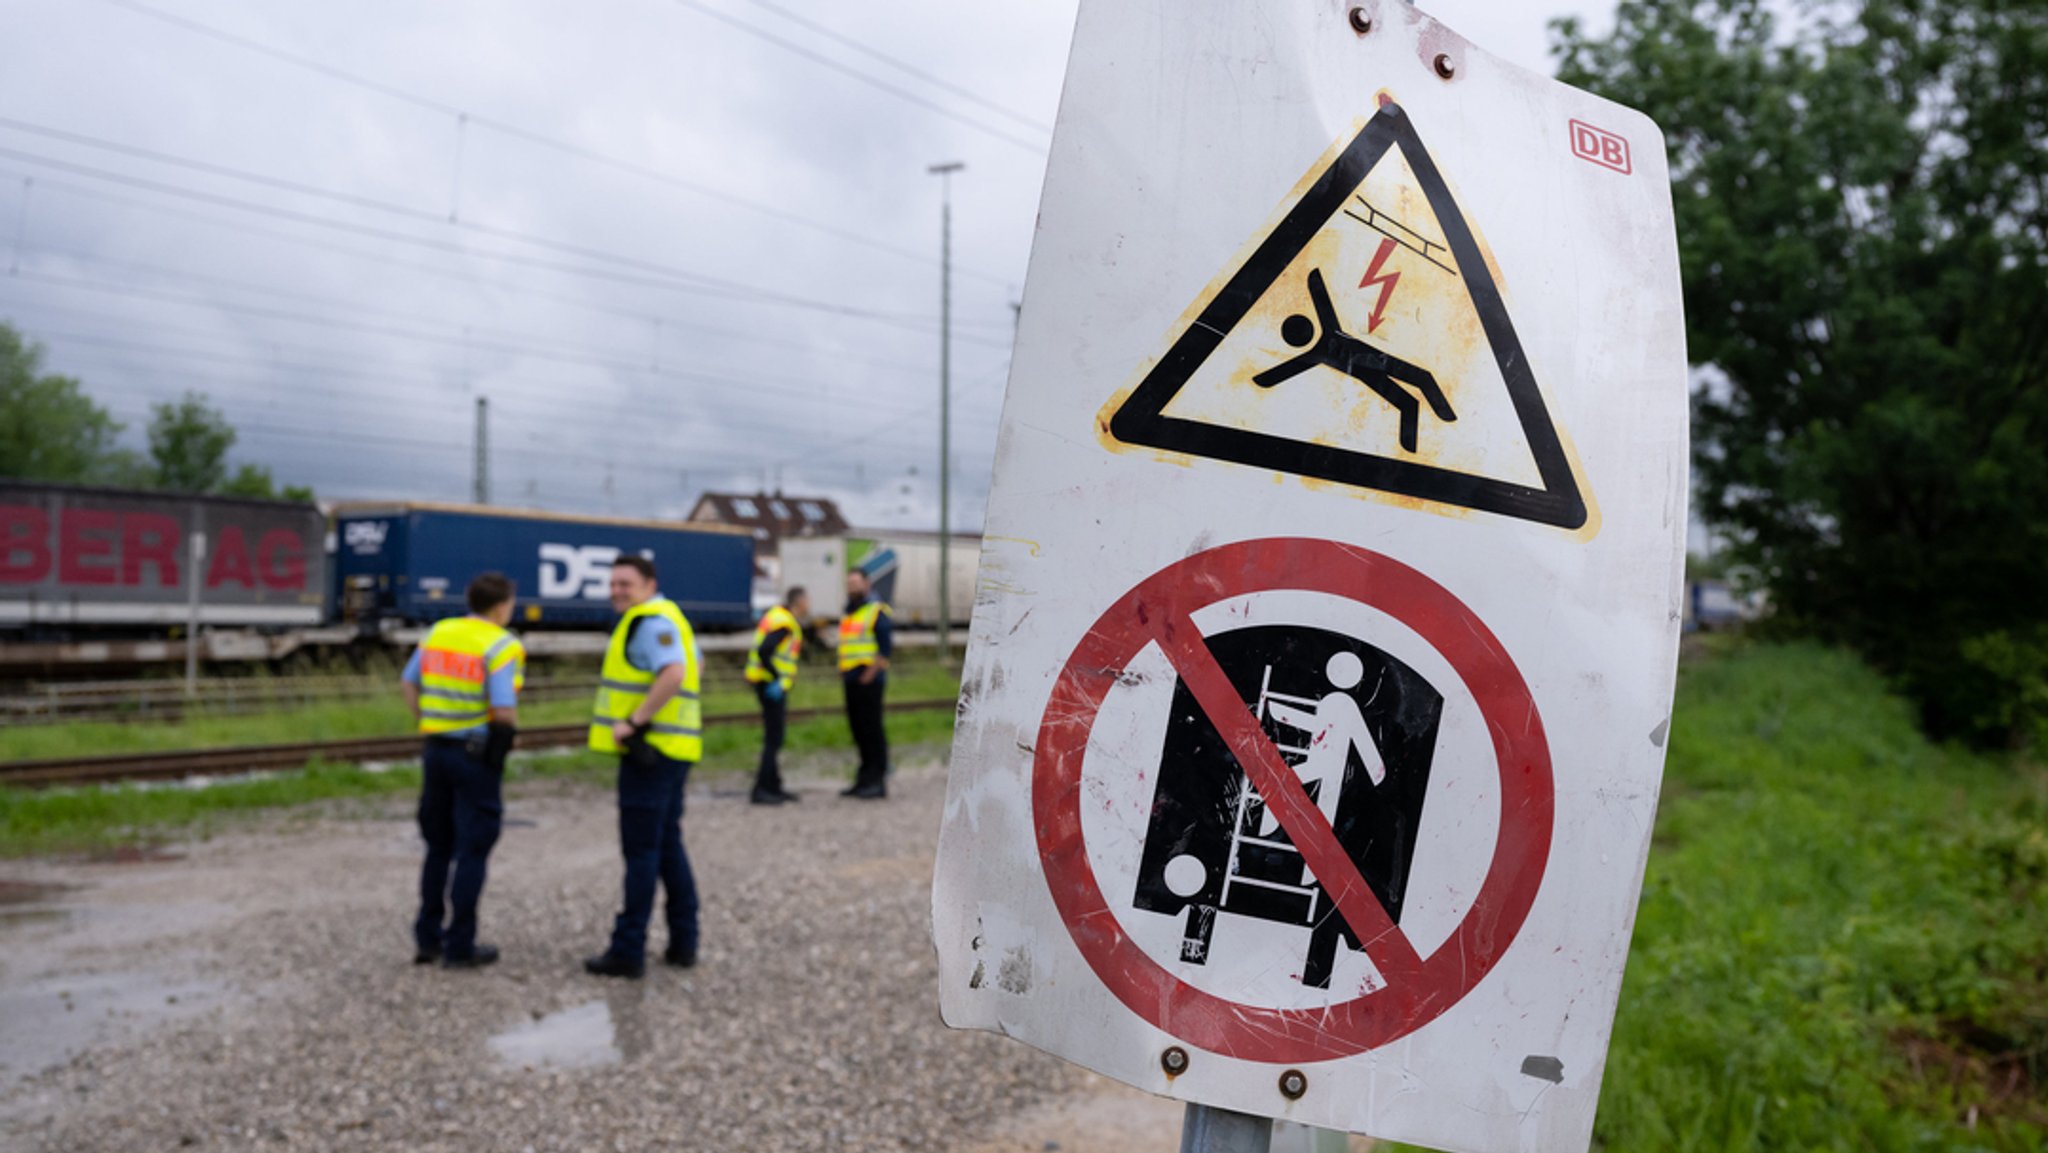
407 564
902 564
118 562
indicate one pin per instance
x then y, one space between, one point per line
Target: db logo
1600 146
569 571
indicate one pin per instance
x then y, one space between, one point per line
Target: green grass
91 819
357 716
1829 897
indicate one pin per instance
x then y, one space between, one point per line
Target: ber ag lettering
88 547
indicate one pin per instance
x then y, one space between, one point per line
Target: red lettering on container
282 559
1601 147
87 534
149 538
24 544
231 561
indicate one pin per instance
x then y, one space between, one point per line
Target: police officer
647 712
462 685
771 669
864 645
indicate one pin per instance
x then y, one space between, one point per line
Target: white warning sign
1313 716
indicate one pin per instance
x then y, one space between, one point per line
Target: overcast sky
678 244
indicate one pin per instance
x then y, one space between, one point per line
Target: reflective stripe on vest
678 726
857 643
457 660
785 654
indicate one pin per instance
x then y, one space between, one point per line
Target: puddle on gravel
606 1031
14 892
578 1038
35 895
46 1022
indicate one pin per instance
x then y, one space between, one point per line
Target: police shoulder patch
665 638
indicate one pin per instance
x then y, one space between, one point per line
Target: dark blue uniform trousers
461 811
651 839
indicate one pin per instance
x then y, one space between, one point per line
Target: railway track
177 764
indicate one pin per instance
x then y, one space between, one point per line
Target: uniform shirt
769 644
654 646
885 639
501 689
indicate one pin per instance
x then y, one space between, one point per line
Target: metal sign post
1207 1129
194 577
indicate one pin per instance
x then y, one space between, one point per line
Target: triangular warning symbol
1364 342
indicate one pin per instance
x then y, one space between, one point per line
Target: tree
255 480
49 429
1862 202
189 443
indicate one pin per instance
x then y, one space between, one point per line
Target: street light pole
945 173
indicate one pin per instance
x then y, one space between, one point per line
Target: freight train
105 566
903 567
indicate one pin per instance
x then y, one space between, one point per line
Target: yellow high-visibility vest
677 731
784 657
857 643
456 663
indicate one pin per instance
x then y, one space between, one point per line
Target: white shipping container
819 564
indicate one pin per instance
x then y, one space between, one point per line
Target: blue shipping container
411 562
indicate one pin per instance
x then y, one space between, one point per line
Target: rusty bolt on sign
1444 67
1293 1084
1360 22
1174 1061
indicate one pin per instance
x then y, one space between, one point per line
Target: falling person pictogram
1326 344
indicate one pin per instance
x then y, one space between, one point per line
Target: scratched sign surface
1323 651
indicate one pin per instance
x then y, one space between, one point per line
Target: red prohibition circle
1418 990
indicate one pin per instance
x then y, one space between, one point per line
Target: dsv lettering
584 571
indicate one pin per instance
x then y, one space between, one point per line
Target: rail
176 764
70 702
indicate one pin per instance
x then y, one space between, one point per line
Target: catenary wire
697 280
537 138
1036 148
464 278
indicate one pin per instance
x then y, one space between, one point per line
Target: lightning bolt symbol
1386 282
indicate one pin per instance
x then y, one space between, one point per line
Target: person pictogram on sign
1325 343
1357 725
1336 731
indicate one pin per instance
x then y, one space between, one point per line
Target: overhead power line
1035 147
470 335
643 441
753 385
783 13
651 320
540 139
424 216
673 282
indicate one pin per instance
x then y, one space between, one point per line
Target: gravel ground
256 991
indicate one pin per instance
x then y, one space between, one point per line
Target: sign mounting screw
1360 22
1293 1084
1174 1061
1444 67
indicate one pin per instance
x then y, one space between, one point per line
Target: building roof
771 516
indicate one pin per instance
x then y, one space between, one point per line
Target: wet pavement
46 1022
608 1031
255 989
